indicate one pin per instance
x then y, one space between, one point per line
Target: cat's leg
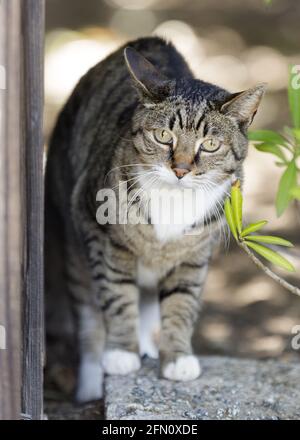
114 278
113 273
91 335
90 328
180 302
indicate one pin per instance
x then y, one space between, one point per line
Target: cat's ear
149 81
243 106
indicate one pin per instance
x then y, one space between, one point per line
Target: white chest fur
173 209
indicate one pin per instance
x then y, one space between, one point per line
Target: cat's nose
181 169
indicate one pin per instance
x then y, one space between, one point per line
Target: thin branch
267 271
297 207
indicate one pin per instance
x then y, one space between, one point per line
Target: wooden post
10 210
32 16
21 208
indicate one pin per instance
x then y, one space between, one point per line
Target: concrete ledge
228 389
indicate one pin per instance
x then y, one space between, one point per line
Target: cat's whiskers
133 180
214 184
145 196
216 212
219 218
207 186
212 175
205 213
123 182
151 177
148 173
135 196
125 138
125 166
221 225
142 173
140 190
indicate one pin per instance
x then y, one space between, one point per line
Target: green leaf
272 256
230 218
292 133
287 182
253 227
268 136
270 239
296 132
271 148
280 164
294 95
295 192
237 205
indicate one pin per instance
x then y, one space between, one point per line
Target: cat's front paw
183 368
120 362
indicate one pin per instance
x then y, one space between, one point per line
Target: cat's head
189 130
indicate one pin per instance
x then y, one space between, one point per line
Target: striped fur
104 129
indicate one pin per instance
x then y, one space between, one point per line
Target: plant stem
268 272
297 206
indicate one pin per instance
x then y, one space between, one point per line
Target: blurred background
234 44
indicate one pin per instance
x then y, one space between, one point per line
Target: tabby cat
140 117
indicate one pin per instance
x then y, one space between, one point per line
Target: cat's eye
210 145
163 136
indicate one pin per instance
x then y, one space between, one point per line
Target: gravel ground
228 389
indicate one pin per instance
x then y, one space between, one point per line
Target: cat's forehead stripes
178 113
201 118
188 115
172 122
185 120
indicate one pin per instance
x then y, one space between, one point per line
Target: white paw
90 381
184 368
120 362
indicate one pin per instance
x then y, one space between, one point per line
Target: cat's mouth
167 177
208 180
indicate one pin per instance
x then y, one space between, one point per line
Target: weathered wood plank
10 210
33 207
21 206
